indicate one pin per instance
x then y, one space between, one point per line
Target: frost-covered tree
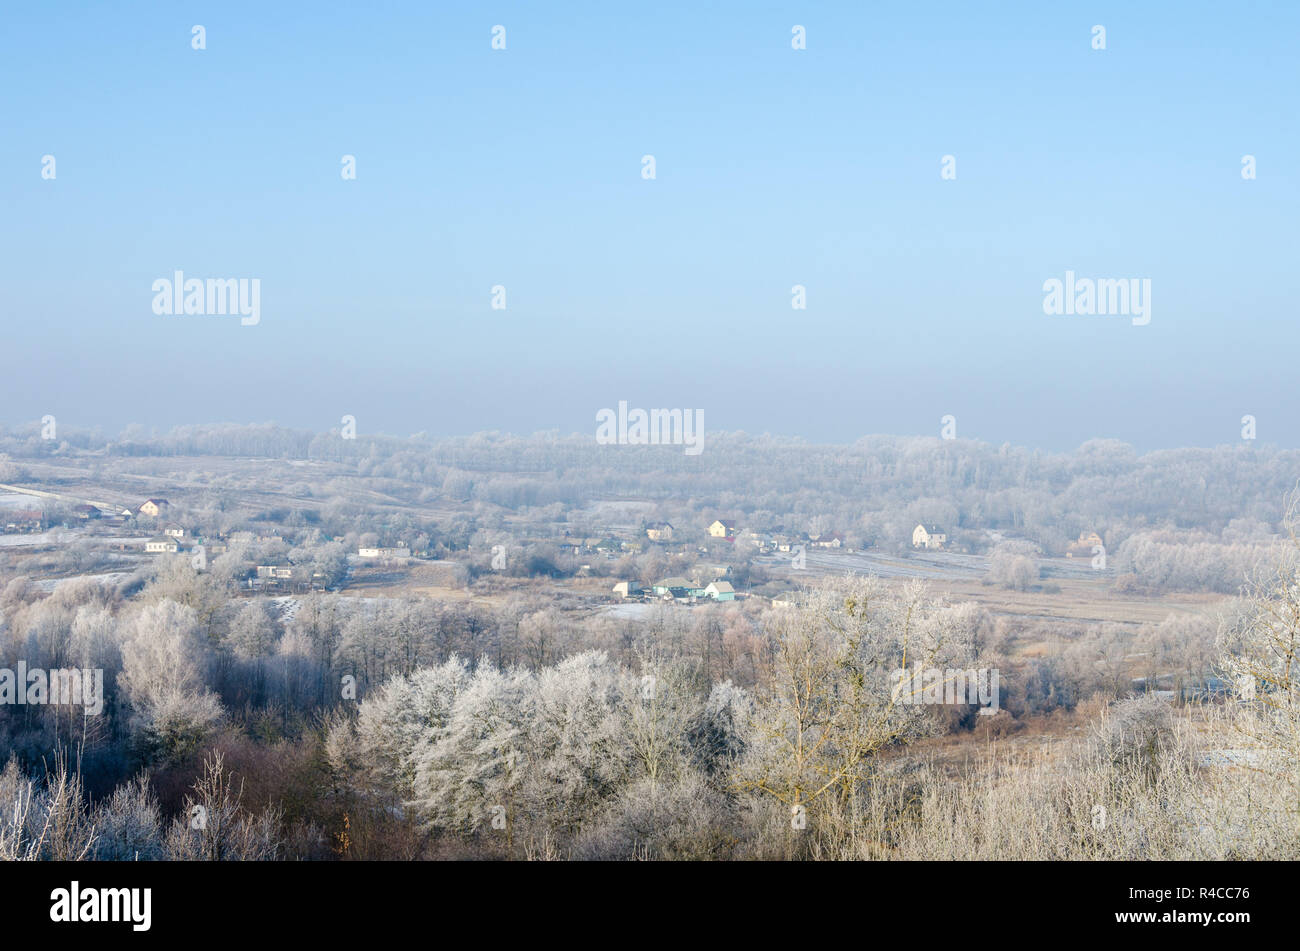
1260 660
161 663
834 702
403 718
44 821
474 771
129 824
577 752
214 826
252 632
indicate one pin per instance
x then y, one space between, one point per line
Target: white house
932 537
721 591
162 544
384 552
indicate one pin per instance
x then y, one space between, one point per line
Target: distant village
711 580
717 586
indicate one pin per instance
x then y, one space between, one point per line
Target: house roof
163 539
723 587
156 502
674 582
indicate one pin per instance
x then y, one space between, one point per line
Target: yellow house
723 528
932 537
1087 545
153 507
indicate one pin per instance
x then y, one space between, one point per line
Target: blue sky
774 167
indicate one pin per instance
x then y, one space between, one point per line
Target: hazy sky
775 167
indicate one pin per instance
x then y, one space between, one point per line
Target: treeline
875 490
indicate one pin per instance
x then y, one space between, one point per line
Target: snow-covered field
56 536
934 565
110 577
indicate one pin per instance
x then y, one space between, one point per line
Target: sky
774 167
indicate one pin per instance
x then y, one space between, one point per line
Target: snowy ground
289 605
632 611
57 536
934 565
111 577
288 608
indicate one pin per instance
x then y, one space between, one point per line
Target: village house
275 572
932 537
720 591
659 532
829 540
787 600
162 544
628 589
24 521
381 553
714 570
1086 546
789 542
677 587
723 528
175 531
154 507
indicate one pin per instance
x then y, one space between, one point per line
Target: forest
509 715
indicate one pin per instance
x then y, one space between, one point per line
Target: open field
1084 594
